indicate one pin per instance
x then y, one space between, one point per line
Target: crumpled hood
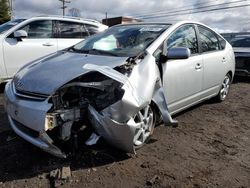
47 75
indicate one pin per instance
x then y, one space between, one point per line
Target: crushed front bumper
43 141
27 119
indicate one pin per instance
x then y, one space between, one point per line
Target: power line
177 8
195 12
63 6
191 9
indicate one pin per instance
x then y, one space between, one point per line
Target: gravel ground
209 148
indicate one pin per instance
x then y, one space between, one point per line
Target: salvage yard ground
209 148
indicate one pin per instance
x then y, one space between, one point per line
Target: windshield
6 26
243 41
122 40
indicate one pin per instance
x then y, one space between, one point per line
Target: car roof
164 23
174 24
66 18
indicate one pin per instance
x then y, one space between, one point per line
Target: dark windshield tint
6 26
123 40
243 42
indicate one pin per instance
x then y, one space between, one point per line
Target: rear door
40 42
214 60
70 33
182 79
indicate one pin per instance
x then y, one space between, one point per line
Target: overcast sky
226 20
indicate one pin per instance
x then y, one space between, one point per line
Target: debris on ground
11 136
153 180
60 176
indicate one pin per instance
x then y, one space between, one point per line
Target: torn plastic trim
43 141
120 135
161 102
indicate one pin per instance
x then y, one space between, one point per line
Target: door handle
223 60
198 66
48 44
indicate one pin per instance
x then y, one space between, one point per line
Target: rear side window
92 29
39 29
222 42
209 40
71 30
185 36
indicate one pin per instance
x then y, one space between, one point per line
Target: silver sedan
120 83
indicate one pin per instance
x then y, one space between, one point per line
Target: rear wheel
144 122
224 88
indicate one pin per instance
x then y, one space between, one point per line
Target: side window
209 41
92 29
39 29
184 37
222 43
71 30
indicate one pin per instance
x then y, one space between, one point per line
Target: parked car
119 82
24 40
241 47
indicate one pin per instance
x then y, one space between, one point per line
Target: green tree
4 11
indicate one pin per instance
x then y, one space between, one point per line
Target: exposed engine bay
70 103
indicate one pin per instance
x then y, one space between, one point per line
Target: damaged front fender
141 87
120 135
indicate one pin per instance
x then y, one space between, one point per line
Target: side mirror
19 34
178 53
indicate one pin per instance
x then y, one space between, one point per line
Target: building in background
119 20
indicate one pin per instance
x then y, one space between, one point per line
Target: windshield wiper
92 51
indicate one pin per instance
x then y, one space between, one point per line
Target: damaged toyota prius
120 83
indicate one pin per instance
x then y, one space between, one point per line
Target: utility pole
11 9
63 6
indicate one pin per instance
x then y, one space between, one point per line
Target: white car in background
24 40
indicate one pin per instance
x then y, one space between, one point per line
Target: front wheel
224 88
145 123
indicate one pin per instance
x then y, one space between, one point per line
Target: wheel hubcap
225 88
143 121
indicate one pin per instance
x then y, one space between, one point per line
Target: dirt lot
210 148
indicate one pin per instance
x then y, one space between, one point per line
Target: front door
182 79
39 42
